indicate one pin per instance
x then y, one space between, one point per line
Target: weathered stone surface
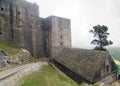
90 65
21 25
3 59
20 57
57 33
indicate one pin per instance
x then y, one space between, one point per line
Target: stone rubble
20 57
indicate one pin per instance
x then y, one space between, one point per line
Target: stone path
13 77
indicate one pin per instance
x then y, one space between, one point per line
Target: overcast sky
85 14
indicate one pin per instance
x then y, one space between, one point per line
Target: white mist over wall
85 14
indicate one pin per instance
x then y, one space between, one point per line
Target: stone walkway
13 77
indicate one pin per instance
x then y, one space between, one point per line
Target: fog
85 14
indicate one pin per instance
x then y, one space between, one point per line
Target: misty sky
85 14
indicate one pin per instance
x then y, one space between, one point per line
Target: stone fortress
21 25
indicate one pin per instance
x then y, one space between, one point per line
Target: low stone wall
108 79
13 77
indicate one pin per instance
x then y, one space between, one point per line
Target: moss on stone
9 48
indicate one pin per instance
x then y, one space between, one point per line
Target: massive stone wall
21 25
5 20
27 32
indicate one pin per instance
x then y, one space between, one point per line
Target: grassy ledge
9 48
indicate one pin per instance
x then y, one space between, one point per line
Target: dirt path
12 77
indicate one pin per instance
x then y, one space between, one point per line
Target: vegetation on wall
9 48
115 53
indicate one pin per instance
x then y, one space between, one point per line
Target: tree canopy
100 33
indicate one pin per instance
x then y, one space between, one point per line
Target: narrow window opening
61 43
61 37
61 28
19 26
2 9
18 12
107 68
31 15
18 19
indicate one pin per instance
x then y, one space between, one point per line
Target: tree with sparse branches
100 32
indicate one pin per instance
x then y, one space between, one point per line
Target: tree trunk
101 46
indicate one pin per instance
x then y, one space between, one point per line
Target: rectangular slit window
61 43
2 9
31 15
60 37
108 69
61 28
18 12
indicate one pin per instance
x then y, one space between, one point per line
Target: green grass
118 66
49 77
115 53
9 48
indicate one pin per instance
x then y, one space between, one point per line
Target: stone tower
59 34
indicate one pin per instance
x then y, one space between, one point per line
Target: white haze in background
85 14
